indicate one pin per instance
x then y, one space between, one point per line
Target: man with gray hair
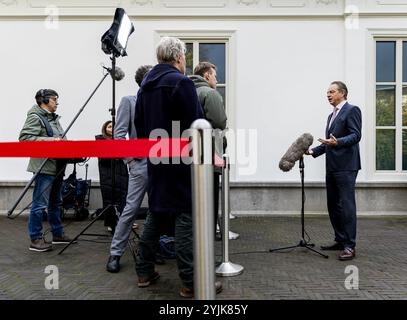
168 98
137 176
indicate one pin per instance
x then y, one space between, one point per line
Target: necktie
333 116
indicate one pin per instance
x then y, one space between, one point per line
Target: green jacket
34 130
214 111
211 102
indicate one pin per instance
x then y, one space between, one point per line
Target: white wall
281 70
284 69
67 60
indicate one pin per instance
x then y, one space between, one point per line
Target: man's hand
329 142
309 152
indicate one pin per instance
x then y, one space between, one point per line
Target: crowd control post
203 210
226 268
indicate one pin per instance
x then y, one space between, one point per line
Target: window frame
195 60
208 35
369 147
398 83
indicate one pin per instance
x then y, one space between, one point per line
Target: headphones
45 99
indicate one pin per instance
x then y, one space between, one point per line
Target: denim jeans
155 222
46 195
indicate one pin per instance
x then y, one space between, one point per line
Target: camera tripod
303 243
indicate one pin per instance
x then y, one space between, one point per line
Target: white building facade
275 61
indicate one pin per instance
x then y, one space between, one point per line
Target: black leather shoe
336 246
113 265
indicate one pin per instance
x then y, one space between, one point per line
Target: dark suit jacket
346 128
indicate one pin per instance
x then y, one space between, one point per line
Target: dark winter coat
166 95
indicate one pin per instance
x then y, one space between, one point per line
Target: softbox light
114 40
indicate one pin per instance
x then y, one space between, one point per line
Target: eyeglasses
55 99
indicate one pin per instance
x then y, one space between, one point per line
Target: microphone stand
28 185
303 243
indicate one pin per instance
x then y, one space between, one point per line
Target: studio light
114 40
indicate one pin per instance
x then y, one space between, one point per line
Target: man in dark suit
341 146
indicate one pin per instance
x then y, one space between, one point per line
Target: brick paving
292 274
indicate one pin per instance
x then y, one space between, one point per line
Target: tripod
303 243
112 168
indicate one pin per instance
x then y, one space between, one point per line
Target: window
391 105
213 52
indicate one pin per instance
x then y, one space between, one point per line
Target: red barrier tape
138 148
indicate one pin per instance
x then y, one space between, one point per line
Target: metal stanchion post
232 235
202 210
226 268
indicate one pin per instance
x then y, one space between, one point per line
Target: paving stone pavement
292 274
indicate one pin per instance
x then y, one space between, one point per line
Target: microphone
295 152
118 74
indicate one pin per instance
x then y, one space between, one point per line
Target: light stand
113 204
112 168
114 42
303 243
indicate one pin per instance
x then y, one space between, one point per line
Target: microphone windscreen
295 152
119 74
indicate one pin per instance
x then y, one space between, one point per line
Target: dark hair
342 87
141 72
203 67
44 93
104 133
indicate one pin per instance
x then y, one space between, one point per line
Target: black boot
113 265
